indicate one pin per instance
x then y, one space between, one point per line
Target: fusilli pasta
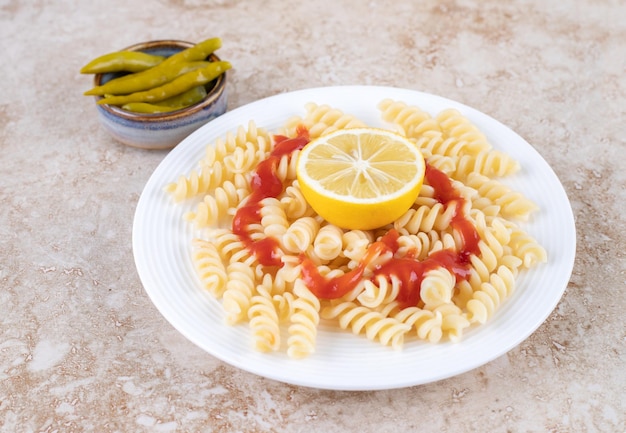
308 260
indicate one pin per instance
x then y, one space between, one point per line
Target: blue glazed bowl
161 130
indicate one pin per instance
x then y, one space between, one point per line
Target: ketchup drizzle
445 193
333 288
265 183
408 270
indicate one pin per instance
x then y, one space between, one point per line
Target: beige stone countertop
83 348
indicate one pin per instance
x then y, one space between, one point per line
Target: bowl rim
212 95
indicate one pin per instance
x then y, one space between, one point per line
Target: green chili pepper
198 77
131 61
185 99
145 107
145 80
190 97
199 51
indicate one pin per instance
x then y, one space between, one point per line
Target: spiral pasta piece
447 241
264 322
240 288
231 248
216 206
446 164
284 306
463 293
485 301
437 287
496 244
224 146
273 218
411 119
355 243
303 328
323 119
328 242
294 203
454 124
488 163
379 291
492 229
280 287
300 234
359 319
427 324
425 219
427 192
512 203
281 280
435 144
197 182
453 321
209 267
417 245
488 256
245 158
286 167
527 249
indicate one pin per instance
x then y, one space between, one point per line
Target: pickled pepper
177 86
185 99
145 80
130 61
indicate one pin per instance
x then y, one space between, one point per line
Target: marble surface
84 349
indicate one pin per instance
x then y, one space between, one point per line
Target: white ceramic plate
342 361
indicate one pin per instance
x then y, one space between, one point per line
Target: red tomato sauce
265 183
408 270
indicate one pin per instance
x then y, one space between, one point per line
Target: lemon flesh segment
360 178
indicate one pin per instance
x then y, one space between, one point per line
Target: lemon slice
360 178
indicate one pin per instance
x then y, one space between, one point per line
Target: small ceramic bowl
161 130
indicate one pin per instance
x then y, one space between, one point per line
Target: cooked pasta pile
276 295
